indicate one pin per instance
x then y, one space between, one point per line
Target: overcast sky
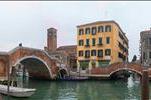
27 22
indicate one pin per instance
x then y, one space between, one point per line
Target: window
108 52
93 30
93 41
107 40
120 55
121 36
87 31
81 32
150 55
80 53
93 53
144 55
81 42
100 53
149 41
87 53
108 28
100 40
100 29
87 42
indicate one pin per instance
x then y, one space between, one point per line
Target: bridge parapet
109 70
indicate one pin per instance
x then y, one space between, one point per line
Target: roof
67 47
98 22
3 53
146 31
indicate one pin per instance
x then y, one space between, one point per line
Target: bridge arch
137 68
125 69
36 67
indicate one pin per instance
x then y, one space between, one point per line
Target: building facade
100 43
71 51
145 47
65 55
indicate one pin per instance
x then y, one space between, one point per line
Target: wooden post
145 86
1 97
8 79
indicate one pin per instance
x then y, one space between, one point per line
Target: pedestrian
13 76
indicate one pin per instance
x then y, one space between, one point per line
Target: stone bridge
38 62
111 69
41 65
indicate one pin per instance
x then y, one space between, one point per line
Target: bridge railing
117 66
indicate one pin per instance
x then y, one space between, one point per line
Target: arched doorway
36 67
62 74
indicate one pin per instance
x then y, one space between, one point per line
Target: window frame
100 29
87 42
100 53
108 40
81 42
87 53
108 28
107 52
93 30
80 53
87 30
81 31
93 52
93 41
100 38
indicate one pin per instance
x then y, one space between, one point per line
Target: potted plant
93 64
84 65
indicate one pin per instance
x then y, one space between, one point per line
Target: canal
84 90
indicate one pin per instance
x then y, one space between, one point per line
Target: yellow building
100 43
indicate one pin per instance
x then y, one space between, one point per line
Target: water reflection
133 86
86 90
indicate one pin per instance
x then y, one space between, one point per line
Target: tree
134 58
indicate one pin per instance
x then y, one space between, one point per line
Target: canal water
83 90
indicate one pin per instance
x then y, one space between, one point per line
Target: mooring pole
8 80
145 85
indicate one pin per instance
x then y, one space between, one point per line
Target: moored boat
17 91
74 78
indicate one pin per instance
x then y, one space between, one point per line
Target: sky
27 22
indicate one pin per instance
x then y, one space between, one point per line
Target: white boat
17 91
